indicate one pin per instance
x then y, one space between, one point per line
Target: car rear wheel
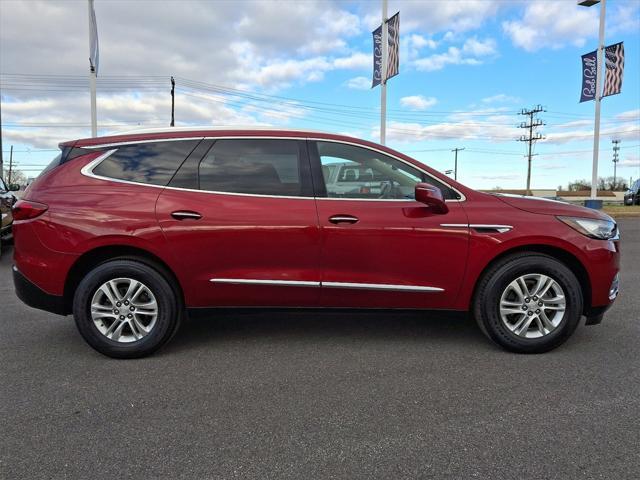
125 309
528 303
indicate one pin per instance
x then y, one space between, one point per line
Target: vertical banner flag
94 54
393 51
614 63
393 62
589 72
377 56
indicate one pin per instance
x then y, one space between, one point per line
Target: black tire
168 316
486 307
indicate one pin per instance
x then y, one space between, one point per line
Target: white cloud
512 176
411 45
215 42
479 48
437 15
463 126
418 41
357 60
630 158
629 116
622 132
359 83
418 102
625 18
65 115
574 124
500 98
552 24
633 161
469 54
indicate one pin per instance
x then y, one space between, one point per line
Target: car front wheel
125 309
528 303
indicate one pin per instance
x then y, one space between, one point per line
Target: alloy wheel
124 310
532 306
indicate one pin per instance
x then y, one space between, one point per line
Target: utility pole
10 167
615 160
455 167
383 86
532 137
173 105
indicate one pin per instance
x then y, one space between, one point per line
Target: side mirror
14 187
431 196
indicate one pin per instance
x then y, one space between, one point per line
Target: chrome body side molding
349 285
479 226
251 281
382 286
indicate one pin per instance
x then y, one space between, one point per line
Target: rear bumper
35 297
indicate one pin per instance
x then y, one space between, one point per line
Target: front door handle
343 219
186 215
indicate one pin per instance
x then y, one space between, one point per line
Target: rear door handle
186 215
343 219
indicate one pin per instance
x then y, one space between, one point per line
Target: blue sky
466 69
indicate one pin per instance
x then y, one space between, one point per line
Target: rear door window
153 163
256 166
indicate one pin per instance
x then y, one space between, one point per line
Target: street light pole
598 97
383 86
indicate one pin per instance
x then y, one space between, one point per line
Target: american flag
614 61
393 40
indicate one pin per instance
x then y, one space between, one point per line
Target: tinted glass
187 174
265 167
356 172
153 163
53 164
3 187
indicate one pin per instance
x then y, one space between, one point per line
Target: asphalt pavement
322 395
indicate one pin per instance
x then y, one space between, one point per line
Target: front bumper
35 297
596 314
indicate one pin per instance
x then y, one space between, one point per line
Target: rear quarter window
153 163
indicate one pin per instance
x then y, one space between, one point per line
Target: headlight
600 229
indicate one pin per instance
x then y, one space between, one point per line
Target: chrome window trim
349 285
136 142
87 170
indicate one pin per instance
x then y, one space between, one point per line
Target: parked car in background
7 200
632 196
132 232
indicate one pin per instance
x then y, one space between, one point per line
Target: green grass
622 210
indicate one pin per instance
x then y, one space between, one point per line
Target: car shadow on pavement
321 325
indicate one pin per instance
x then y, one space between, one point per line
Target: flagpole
92 80
596 129
383 75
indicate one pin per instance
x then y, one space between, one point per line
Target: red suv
130 233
